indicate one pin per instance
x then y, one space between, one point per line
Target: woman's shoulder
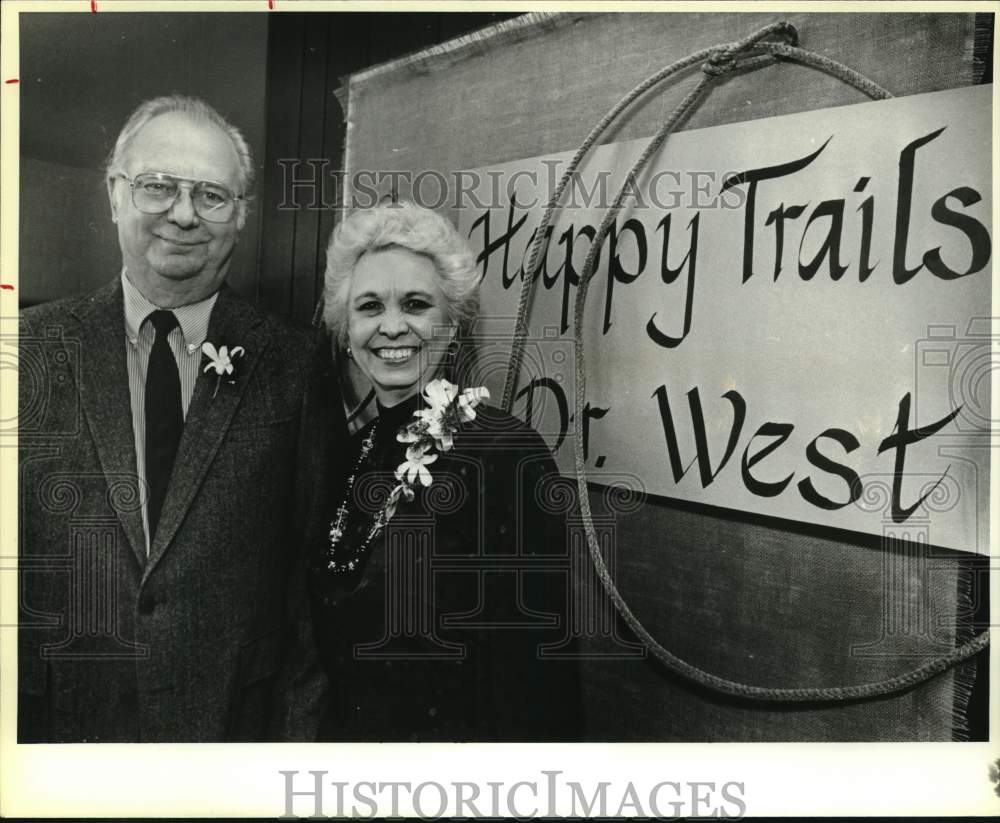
495 427
494 419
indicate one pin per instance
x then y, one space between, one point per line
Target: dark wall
307 57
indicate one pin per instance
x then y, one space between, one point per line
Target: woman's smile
396 354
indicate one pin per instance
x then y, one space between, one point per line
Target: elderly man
174 481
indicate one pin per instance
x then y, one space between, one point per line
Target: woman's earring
452 350
350 354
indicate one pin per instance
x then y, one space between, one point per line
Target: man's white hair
198 111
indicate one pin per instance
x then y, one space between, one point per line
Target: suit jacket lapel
106 401
233 323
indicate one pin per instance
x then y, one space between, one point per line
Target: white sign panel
791 317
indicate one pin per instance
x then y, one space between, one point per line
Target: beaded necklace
340 522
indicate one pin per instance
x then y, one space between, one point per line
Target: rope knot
789 32
720 63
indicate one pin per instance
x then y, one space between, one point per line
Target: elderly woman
437 613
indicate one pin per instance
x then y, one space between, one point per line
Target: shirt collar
192 318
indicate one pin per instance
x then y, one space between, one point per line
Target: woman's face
397 322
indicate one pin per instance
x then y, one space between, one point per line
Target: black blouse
453 626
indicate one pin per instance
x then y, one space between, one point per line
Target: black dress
453 625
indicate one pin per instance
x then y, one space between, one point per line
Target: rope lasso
717 61
750 53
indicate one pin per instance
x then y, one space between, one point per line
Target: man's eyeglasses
155 193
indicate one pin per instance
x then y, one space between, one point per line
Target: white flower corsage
221 362
434 428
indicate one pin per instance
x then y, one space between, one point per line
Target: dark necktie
164 415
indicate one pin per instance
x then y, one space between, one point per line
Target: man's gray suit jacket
207 638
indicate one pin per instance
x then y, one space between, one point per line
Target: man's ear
241 214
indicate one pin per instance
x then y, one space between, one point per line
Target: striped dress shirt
185 343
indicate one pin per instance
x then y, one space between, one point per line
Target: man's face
177 257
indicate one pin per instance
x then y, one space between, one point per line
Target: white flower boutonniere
221 361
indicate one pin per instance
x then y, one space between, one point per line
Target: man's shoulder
289 334
57 312
46 313
288 338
